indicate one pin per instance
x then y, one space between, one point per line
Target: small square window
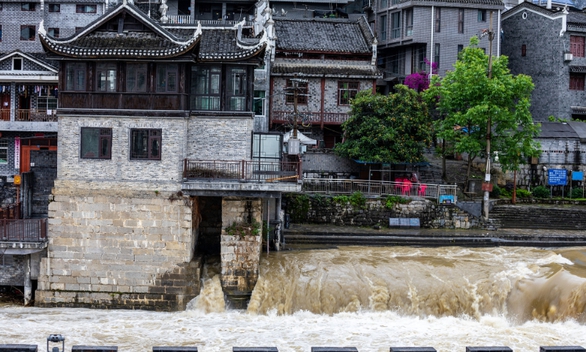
0 33
346 92
53 32
96 143
17 64
523 50
27 33
145 144
302 92
576 81
28 6
86 8
3 151
481 15
54 8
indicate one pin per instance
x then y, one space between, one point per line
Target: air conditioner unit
568 57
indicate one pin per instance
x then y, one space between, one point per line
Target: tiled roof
333 70
119 45
557 130
474 2
222 44
529 6
321 35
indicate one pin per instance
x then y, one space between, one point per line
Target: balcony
313 118
29 120
187 19
240 177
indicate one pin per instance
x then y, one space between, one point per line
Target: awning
303 139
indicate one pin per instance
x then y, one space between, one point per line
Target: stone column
240 253
28 292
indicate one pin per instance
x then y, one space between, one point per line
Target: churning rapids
365 297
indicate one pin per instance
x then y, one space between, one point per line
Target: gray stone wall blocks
314 100
12 270
219 138
543 62
120 243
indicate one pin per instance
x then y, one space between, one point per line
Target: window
438 19
206 87
96 143
346 92
166 78
3 151
27 33
54 8
396 64
460 20
0 33
106 77
86 8
384 4
145 144
28 6
136 77
236 88
576 81
481 15
258 105
75 76
383 27
523 50
396 25
460 48
409 22
302 92
53 32
45 103
17 64
436 55
577 45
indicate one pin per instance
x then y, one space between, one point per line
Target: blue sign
577 175
557 177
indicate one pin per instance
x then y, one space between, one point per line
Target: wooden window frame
135 72
577 81
106 77
167 78
153 139
100 148
301 95
577 45
76 76
347 91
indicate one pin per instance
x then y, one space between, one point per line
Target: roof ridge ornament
42 30
163 8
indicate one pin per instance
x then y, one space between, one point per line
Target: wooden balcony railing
10 212
23 230
31 115
242 170
313 118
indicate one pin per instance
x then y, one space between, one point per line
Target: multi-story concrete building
412 32
547 43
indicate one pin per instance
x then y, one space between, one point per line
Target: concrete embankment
319 235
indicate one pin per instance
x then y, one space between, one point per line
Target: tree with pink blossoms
419 81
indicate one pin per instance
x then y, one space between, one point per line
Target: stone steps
538 217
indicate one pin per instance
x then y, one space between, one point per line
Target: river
371 298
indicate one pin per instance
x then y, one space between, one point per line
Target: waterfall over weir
370 298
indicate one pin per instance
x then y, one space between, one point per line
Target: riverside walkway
323 235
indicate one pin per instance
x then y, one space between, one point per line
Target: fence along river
370 298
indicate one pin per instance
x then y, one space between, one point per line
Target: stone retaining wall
114 248
324 210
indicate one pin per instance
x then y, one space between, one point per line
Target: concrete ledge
174 349
562 349
254 349
334 349
412 349
488 349
18 348
94 349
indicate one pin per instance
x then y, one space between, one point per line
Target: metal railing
242 170
378 188
314 118
187 19
23 230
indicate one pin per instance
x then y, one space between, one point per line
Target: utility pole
293 141
487 184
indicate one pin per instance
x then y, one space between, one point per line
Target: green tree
466 98
392 128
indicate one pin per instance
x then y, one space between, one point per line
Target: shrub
242 229
496 191
298 207
523 193
505 193
577 193
341 199
390 201
540 192
358 200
